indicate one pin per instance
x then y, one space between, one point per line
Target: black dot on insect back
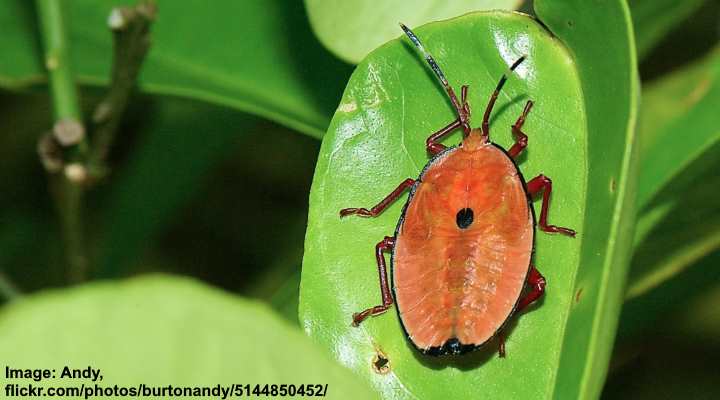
464 218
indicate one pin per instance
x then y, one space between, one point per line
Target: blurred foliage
210 179
668 343
256 56
351 29
653 19
224 339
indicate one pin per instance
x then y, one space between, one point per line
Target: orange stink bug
461 252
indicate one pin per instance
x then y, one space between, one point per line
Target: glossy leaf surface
377 139
351 29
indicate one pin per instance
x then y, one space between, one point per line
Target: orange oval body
463 248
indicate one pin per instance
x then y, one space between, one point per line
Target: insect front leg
544 184
384 245
375 211
536 282
521 139
432 145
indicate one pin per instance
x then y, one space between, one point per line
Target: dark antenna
493 98
461 109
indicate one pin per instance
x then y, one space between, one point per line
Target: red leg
387 300
521 138
432 145
493 99
542 182
373 212
536 282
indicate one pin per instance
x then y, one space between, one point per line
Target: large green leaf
257 56
351 29
376 139
162 331
601 39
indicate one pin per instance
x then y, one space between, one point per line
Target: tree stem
68 130
131 42
57 59
84 161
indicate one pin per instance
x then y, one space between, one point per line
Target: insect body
461 252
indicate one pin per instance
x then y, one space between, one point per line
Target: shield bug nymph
461 252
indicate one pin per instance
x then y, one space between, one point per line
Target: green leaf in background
351 29
602 43
643 314
678 124
676 233
653 19
177 147
668 339
163 331
678 223
376 140
257 56
677 191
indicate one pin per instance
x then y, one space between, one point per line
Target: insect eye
464 218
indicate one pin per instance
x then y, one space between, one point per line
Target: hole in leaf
380 363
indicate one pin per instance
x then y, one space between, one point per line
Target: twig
131 34
68 131
67 149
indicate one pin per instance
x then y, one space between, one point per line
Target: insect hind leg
387 300
536 283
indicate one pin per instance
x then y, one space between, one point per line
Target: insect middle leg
382 205
544 184
536 282
521 139
384 245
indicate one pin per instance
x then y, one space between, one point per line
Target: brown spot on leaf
380 363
